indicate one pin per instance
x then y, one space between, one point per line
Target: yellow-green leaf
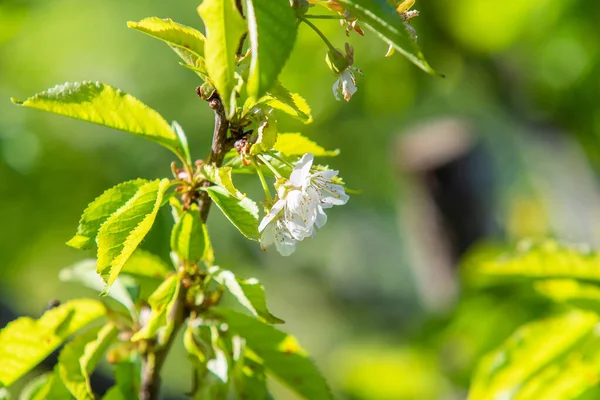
189 237
224 29
221 176
243 214
79 358
26 342
380 17
105 105
120 235
267 136
555 358
272 33
294 144
100 209
186 41
290 103
281 354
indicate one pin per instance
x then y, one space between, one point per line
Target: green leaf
105 105
84 272
554 358
127 377
221 176
294 144
290 103
224 29
187 42
100 209
250 379
162 302
36 389
243 214
79 358
250 293
183 142
382 18
52 388
572 292
267 136
280 353
189 237
272 33
25 342
120 235
532 261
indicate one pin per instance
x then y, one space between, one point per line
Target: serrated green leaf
291 103
554 358
250 379
187 42
79 358
243 214
100 209
120 235
224 29
183 141
25 342
221 176
84 272
267 136
162 302
380 17
294 144
189 237
127 377
105 105
250 293
280 353
272 33
532 261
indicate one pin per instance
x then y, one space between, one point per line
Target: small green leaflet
161 302
554 358
221 176
250 293
36 388
280 353
183 141
26 342
267 136
79 358
293 104
189 237
272 33
145 264
100 209
120 235
382 18
127 375
294 144
105 105
243 214
187 42
224 29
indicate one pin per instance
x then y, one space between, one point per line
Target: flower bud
337 61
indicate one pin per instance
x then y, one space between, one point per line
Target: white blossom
274 231
345 84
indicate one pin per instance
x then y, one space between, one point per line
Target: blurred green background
506 146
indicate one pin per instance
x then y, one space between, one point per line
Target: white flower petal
267 236
276 209
326 174
301 172
284 242
348 84
337 89
321 218
333 195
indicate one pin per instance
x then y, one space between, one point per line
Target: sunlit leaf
294 144
189 237
183 141
281 354
25 342
267 136
79 358
145 264
36 389
187 42
224 29
554 358
120 235
100 209
162 302
291 103
105 105
243 214
250 293
222 177
272 33
569 291
382 18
